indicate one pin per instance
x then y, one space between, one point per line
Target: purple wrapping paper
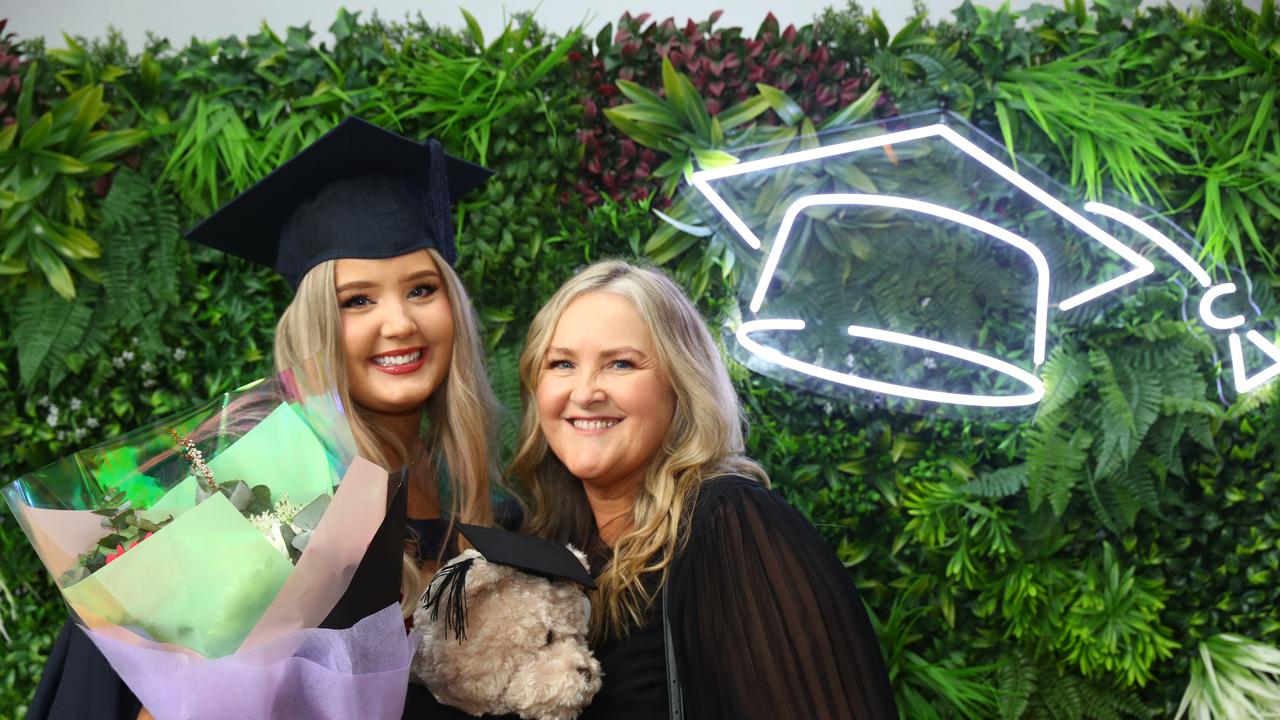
360 673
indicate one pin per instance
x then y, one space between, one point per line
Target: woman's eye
621 364
356 301
424 290
559 365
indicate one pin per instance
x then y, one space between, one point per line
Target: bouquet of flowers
235 560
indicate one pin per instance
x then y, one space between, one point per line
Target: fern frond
1015 682
1065 372
1000 483
1055 465
47 329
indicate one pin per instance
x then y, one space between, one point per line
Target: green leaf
38 134
856 110
25 97
743 112
682 95
648 113
786 108
473 28
7 135
712 159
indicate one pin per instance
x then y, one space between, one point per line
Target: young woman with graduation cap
359 224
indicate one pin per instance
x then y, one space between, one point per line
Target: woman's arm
767 622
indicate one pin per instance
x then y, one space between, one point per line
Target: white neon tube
1160 239
771 355
1206 308
1142 267
702 179
955 216
1244 383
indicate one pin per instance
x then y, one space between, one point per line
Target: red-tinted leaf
768 27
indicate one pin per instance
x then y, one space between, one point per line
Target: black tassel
438 203
451 580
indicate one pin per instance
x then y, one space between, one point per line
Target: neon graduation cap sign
915 264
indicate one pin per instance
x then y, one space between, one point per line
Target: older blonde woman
716 598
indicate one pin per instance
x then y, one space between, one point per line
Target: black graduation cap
533 555
357 192
527 553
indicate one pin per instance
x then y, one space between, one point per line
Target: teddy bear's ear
582 558
463 576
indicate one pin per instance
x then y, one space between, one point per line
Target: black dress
764 618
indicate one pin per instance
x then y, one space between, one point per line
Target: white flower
179 353
267 524
91 423
117 362
930 363
44 400
76 404
127 355
148 368
149 383
285 509
828 408
52 419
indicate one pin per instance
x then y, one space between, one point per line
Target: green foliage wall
1069 568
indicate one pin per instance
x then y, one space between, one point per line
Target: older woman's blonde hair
705 440
459 415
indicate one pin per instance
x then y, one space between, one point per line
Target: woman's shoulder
721 495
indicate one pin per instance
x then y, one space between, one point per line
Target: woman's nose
396 321
586 390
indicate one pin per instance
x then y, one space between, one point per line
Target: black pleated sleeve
766 621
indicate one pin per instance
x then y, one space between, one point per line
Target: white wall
180 20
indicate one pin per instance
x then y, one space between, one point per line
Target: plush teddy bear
498 640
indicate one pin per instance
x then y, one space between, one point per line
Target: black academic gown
765 621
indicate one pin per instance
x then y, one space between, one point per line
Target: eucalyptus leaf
309 517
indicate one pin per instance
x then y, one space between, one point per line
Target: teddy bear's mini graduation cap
530 554
357 192
526 553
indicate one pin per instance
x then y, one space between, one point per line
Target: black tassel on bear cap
450 580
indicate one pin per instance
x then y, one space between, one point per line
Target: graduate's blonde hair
705 440
459 415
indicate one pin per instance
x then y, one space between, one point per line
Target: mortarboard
526 553
357 192
531 554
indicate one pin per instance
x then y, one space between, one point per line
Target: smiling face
604 401
397 330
